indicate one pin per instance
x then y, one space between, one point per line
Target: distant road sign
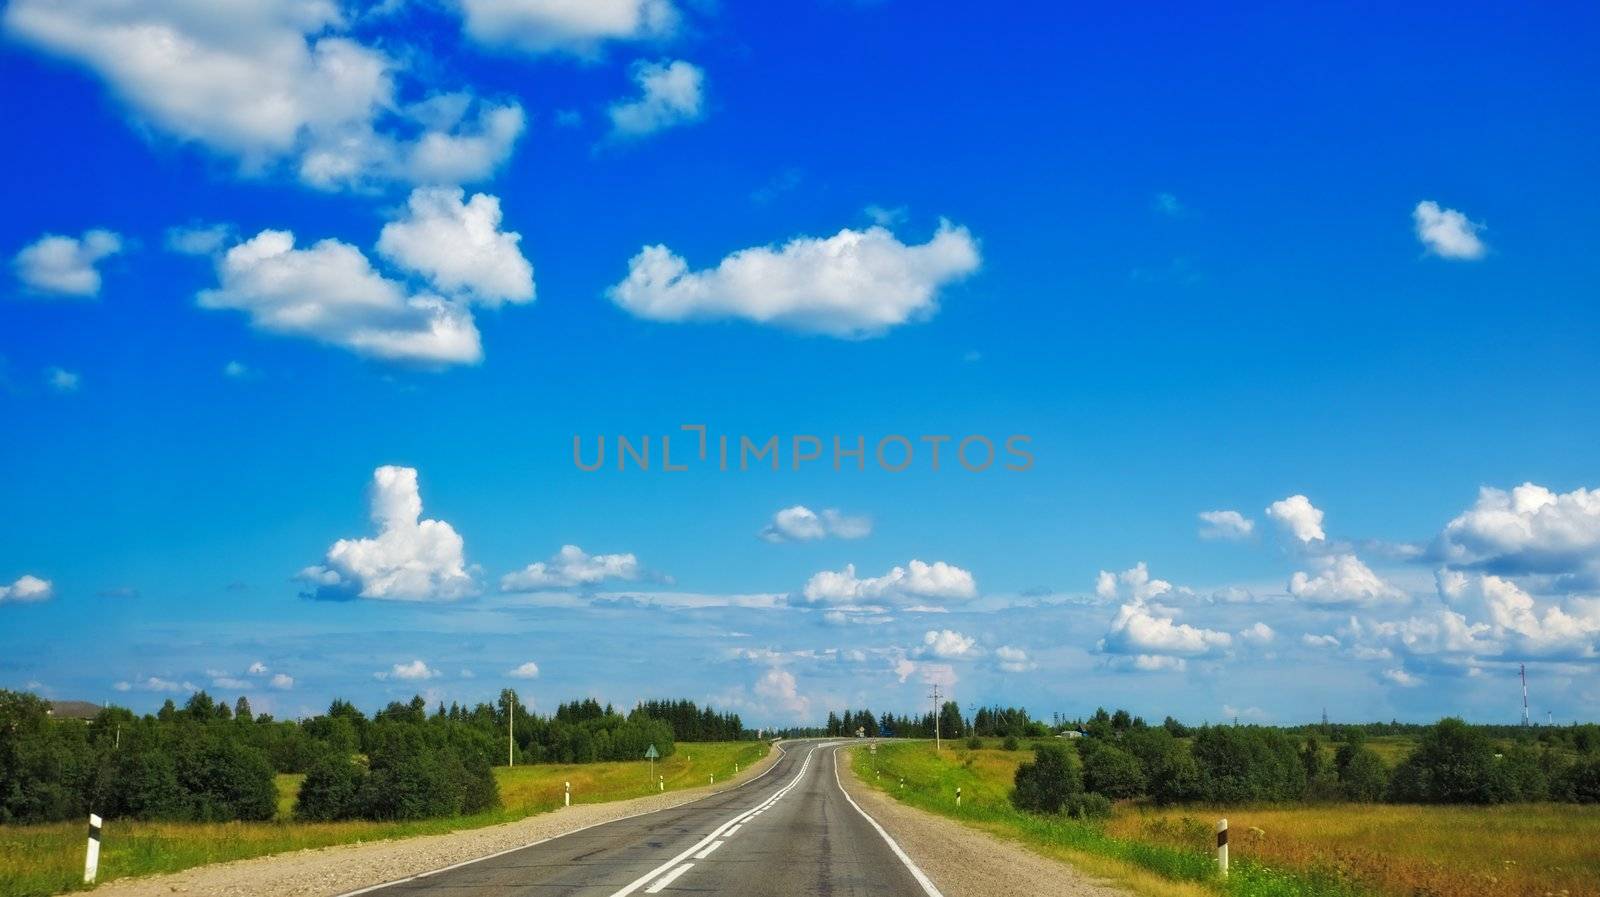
650 753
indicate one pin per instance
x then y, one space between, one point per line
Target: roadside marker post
662 782
91 859
958 795
566 796
1222 846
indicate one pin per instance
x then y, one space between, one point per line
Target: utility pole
936 708
1523 671
511 728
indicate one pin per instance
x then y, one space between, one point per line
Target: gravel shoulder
330 871
965 862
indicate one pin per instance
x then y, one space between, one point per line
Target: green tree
331 790
1362 775
1454 763
1045 784
1111 771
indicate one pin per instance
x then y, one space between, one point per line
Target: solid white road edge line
918 874
719 830
500 853
668 878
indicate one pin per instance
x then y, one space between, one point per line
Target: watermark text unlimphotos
695 447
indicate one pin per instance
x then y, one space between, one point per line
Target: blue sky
1204 261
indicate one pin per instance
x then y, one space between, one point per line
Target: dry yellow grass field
1536 850
1506 851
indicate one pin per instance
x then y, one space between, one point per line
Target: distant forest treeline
208 760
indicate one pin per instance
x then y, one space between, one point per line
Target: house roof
74 709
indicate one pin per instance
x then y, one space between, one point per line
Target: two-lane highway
791 832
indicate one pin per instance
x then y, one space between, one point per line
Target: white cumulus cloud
1141 629
857 283
459 246
1133 584
1342 579
778 691
1257 634
414 671
948 644
27 587
263 83
1528 529
1230 525
65 266
281 681
1446 232
571 566
1514 615
63 380
670 94
801 524
1012 659
1401 678
411 559
329 292
529 670
1299 517
572 27
938 580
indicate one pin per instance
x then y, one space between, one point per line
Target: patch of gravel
966 862
327 871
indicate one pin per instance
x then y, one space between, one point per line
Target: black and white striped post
1222 847
91 859
958 795
566 796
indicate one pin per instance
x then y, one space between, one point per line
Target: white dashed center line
668 878
707 852
660 874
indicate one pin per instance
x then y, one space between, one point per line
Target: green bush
143 784
1111 771
1453 764
1045 784
415 771
974 742
1362 775
224 779
1010 743
1580 781
1088 805
1170 771
331 790
1239 764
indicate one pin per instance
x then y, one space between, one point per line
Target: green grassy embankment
38 860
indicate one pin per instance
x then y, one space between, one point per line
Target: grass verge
1320 850
38 860
912 774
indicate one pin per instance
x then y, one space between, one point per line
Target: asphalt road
790 832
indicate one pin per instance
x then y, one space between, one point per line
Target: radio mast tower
1524 673
936 708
